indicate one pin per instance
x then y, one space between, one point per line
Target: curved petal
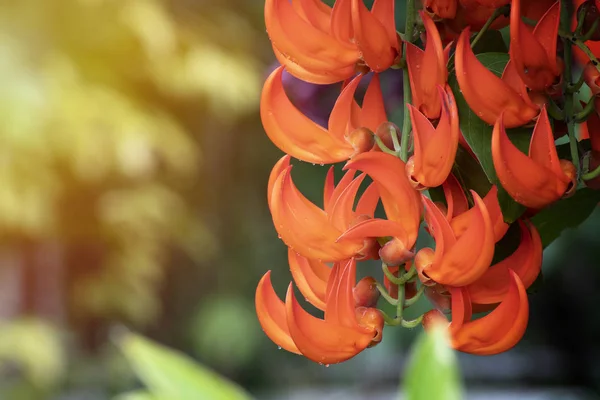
435 148
304 227
341 21
342 215
471 255
530 57
293 132
526 262
375 228
340 306
486 94
272 315
317 13
338 189
456 199
322 341
311 278
372 39
384 11
368 201
372 112
313 49
499 330
528 182
282 164
339 120
462 221
401 202
324 77
542 148
427 69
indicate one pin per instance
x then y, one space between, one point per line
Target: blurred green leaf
138 395
479 135
491 41
433 372
566 213
169 374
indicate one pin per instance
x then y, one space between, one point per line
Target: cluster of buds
461 276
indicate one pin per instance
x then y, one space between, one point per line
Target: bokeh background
133 172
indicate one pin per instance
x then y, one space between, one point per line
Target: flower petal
311 278
304 227
372 38
293 132
528 182
272 315
499 330
526 262
401 202
486 94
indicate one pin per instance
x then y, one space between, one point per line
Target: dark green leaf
479 135
491 41
433 372
566 213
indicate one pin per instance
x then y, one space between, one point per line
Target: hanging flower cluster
463 107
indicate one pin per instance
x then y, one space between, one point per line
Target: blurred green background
133 194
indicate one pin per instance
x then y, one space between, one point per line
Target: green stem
389 275
574 88
412 323
572 39
569 106
416 297
406 125
495 15
400 305
592 174
386 295
583 115
382 145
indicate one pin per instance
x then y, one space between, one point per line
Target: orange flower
441 8
535 180
345 331
401 203
461 222
525 261
311 277
435 148
495 333
456 200
302 138
456 261
427 69
534 53
488 95
312 231
320 44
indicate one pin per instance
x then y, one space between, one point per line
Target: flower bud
361 140
395 252
384 132
423 259
432 318
366 293
445 9
569 170
371 318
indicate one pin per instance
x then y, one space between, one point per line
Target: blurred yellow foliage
97 145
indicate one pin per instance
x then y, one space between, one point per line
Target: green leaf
478 135
565 213
169 374
491 41
433 373
137 395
